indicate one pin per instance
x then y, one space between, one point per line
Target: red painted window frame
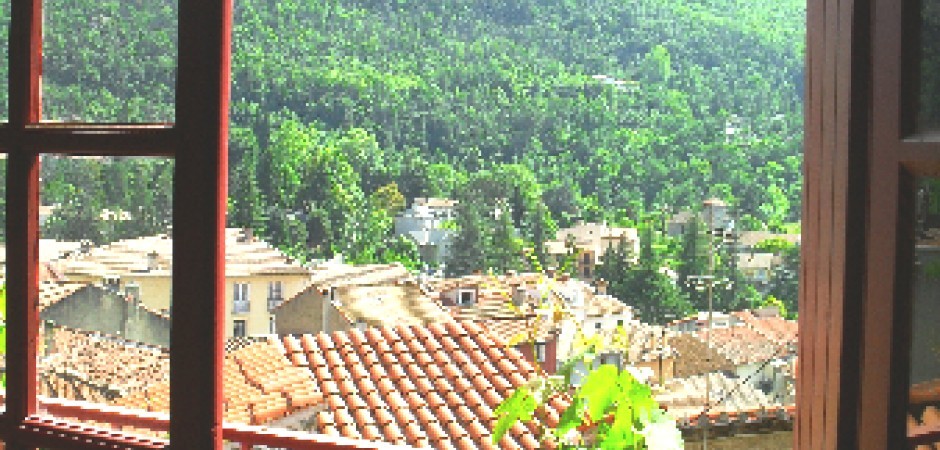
198 143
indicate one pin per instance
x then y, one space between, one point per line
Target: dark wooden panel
22 216
199 224
878 322
803 428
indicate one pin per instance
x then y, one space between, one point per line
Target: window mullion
25 50
199 224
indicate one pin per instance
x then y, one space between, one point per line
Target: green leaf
599 390
570 418
622 433
519 406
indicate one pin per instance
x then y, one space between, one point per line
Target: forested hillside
345 110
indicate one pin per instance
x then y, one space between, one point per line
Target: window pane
3 269
929 112
105 291
4 60
109 61
925 338
459 176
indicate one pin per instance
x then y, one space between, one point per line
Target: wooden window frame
858 174
198 143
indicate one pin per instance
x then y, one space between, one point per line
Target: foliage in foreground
610 409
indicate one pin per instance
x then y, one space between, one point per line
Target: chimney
518 294
132 292
152 262
478 272
601 286
327 303
550 272
85 245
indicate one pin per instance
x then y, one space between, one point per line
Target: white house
426 223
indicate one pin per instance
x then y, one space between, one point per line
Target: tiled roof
492 311
105 361
775 328
432 202
244 255
648 342
338 274
260 385
741 344
693 357
424 386
685 397
51 293
755 260
752 238
389 304
604 306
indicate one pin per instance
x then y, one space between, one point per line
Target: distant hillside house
258 277
588 243
715 215
757 268
425 222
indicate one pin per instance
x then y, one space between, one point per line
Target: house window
597 325
272 325
239 328
466 297
540 352
240 303
275 295
275 290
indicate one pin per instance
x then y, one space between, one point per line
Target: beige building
258 277
588 243
342 296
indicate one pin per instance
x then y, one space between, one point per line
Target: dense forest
343 111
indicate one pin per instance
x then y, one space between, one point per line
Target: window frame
198 143
841 395
239 328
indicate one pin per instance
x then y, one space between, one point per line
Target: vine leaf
519 406
600 390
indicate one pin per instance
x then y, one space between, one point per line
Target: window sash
197 141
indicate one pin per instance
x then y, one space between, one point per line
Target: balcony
274 302
240 306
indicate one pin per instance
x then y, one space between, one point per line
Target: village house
715 215
587 243
343 296
426 222
757 268
507 306
699 321
258 277
107 309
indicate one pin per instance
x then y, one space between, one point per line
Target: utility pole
708 282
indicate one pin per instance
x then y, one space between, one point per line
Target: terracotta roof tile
431 385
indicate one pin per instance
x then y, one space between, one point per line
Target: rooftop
404 304
152 255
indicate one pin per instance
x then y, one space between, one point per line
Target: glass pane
477 188
3 271
106 255
929 106
4 60
925 338
109 61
